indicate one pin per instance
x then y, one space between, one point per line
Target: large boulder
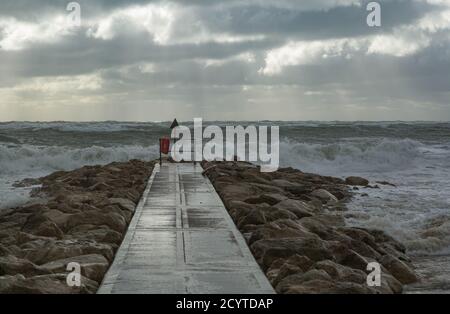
320 281
303 262
237 191
268 198
324 196
300 278
295 264
40 225
354 260
266 188
299 208
125 204
44 284
283 183
315 226
254 217
58 217
357 181
93 266
112 220
100 234
11 265
273 213
382 237
399 269
284 271
341 273
282 228
56 250
266 251
389 284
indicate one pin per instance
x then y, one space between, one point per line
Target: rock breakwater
293 224
77 216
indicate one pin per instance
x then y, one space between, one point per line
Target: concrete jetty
182 241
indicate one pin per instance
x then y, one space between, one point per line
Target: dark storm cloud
336 22
78 54
229 57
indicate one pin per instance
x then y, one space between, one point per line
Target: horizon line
215 120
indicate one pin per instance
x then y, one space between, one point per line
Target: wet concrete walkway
182 240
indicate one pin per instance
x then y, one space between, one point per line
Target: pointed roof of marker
174 124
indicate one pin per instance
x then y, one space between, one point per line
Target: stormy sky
224 60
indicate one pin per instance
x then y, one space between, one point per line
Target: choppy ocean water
414 156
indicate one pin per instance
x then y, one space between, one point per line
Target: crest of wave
28 158
359 155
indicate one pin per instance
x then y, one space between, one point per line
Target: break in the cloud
233 59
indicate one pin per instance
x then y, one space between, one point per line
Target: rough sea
415 156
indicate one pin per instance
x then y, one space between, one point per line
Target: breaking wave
357 156
326 158
28 158
362 155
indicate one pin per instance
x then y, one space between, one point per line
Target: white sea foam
363 155
10 196
27 161
13 198
28 158
420 171
384 155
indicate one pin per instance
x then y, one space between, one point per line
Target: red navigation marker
164 145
